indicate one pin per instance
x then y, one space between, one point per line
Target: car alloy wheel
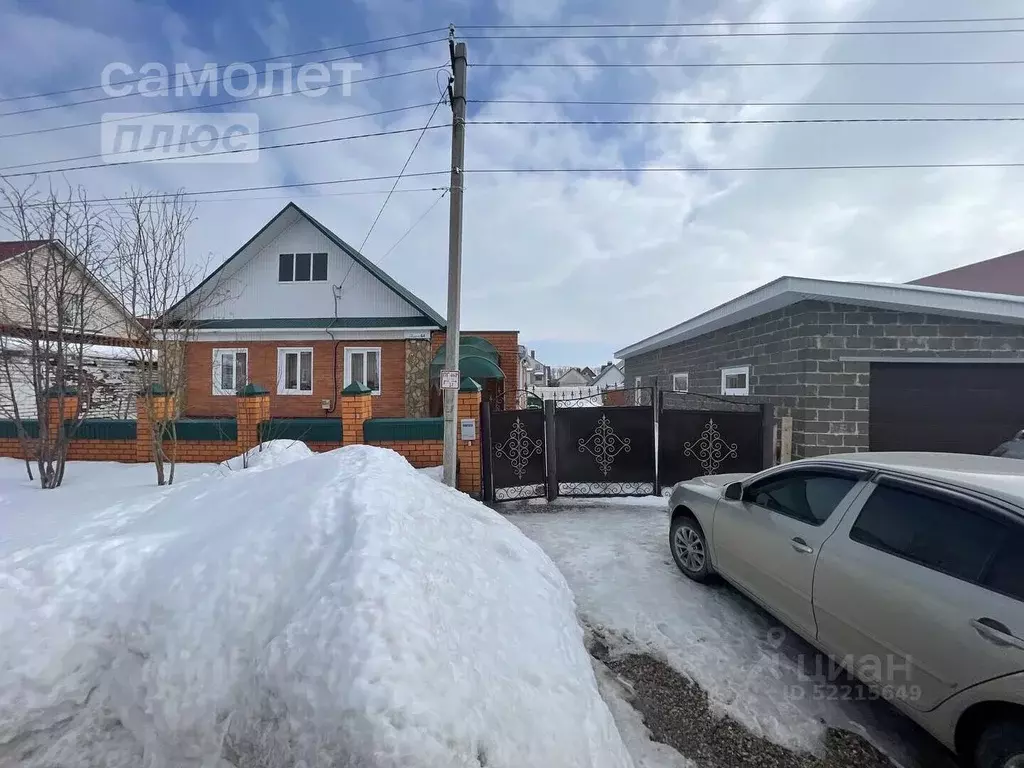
1017 761
689 546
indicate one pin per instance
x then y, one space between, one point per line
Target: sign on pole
450 380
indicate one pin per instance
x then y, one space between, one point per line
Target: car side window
1005 574
810 497
933 530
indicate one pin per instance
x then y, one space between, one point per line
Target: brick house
299 311
857 366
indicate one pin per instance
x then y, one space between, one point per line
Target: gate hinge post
550 463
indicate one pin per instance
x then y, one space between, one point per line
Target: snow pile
346 610
272 453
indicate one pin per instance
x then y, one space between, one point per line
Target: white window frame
685 385
233 351
350 351
282 353
734 371
312 258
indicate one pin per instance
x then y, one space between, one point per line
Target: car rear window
933 531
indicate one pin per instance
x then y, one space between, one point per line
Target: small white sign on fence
449 379
467 429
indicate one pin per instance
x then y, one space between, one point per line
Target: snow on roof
329 611
789 290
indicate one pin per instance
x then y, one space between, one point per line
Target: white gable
248 287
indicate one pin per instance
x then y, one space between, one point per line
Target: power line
221 152
601 103
759 122
269 187
750 168
254 133
207 106
251 61
632 25
168 88
794 33
413 226
399 178
719 64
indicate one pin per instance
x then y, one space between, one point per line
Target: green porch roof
478 359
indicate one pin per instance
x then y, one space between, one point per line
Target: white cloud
593 261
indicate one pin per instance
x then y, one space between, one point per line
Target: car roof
994 476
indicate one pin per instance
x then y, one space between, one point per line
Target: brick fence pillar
163 410
470 479
356 407
55 415
252 407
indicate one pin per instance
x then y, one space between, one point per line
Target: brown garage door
950 407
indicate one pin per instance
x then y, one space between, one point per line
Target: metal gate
706 435
605 450
514 448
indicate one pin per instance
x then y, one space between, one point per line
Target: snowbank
343 610
272 453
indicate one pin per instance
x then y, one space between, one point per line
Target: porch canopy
478 359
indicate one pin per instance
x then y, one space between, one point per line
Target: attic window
302 268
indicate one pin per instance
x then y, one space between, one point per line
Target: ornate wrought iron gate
701 435
514 455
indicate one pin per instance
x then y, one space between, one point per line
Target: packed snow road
615 556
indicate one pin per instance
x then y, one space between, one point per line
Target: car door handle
998 633
801 546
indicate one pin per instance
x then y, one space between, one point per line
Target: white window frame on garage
239 382
282 361
736 371
680 382
350 352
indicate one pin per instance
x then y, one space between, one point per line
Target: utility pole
457 96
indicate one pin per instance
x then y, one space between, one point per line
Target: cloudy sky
580 263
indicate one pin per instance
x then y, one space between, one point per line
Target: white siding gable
248 288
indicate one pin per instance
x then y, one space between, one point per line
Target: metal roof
780 293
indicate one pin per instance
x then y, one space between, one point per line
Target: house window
294 371
363 366
680 382
230 370
302 267
736 381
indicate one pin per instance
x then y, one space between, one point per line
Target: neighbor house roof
789 290
356 256
11 248
1003 274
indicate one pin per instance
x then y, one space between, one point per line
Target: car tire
1001 745
690 548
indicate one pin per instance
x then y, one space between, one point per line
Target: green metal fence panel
9 427
311 430
211 430
104 429
386 430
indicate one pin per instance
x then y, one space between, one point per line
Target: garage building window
736 381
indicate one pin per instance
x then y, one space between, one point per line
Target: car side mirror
733 491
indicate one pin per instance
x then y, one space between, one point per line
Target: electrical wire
413 226
308 142
722 64
752 168
601 103
165 90
254 133
816 120
194 107
794 33
251 61
798 22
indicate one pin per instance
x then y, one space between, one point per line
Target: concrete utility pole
457 94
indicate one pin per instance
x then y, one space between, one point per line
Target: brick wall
419 453
102 450
800 360
200 400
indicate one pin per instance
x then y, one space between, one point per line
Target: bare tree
153 278
51 304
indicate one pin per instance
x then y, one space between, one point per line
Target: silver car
906 568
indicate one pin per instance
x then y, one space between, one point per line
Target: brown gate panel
695 443
946 407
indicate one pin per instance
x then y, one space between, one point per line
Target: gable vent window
302 267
